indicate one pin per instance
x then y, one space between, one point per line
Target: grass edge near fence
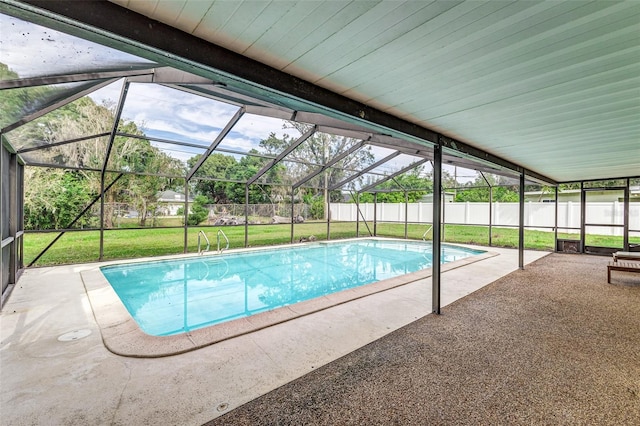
83 247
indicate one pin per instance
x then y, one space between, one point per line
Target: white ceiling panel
553 86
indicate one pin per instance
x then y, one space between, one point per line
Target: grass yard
83 246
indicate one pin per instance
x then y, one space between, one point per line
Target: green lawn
82 247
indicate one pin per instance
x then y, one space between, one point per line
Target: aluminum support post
625 235
521 225
555 223
583 214
436 243
246 215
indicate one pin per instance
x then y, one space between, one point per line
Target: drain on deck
74 335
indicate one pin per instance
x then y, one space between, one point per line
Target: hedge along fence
537 215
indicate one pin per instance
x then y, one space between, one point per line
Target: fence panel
537 215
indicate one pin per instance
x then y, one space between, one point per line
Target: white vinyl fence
536 215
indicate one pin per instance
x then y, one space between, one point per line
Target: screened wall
11 185
138 145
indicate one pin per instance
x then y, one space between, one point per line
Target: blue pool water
175 296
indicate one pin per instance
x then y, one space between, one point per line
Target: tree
242 171
216 171
414 182
312 154
84 118
55 199
198 210
503 190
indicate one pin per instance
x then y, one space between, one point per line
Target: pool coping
121 334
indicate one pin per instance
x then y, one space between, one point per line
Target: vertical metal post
292 213
186 215
13 217
406 214
20 219
555 226
375 214
246 216
357 215
583 214
625 237
328 204
521 225
490 215
436 243
3 216
112 137
442 219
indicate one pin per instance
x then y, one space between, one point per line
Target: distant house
573 195
170 201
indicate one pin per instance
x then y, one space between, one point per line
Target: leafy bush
316 208
198 210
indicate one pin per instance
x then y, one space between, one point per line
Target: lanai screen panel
387 173
18 103
30 50
85 154
267 135
173 115
139 155
61 126
353 179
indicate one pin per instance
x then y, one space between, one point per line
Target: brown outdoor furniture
622 266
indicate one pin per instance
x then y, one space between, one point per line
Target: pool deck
55 368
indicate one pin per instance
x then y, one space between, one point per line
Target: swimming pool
176 296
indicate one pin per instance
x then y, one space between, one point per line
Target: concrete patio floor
55 368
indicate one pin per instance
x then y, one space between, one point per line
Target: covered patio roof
526 86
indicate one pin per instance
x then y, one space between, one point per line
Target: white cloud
190 117
239 143
259 127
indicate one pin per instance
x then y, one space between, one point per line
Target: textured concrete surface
553 344
44 380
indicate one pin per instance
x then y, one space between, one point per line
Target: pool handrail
221 232
426 232
206 239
